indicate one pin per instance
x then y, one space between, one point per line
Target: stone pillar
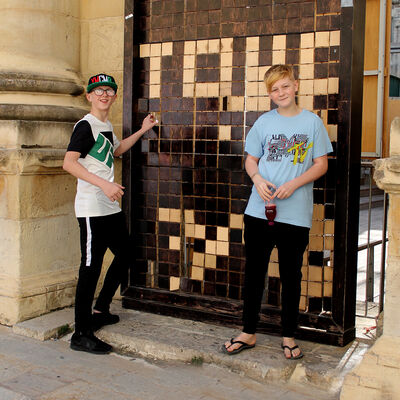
40 100
378 375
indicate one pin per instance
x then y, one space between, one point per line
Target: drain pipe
381 77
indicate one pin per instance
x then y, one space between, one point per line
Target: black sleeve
82 139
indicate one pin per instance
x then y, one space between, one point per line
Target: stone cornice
387 174
25 82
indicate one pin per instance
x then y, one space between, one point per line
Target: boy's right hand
112 190
263 187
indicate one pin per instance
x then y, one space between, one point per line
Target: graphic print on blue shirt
103 149
279 146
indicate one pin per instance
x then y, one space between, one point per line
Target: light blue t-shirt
286 147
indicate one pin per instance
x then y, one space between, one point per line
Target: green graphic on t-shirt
103 150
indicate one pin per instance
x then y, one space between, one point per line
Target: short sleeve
253 144
322 143
116 142
82 139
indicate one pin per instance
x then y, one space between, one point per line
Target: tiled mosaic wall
202 66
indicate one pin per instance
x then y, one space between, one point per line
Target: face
283 92
101 101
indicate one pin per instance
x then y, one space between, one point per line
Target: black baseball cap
101 80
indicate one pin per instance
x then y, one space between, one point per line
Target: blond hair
277 72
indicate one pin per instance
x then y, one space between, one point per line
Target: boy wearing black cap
90 158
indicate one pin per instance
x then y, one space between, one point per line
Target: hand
263 187
149 122
112 190
286 190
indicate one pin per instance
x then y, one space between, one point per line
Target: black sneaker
90 343
103 318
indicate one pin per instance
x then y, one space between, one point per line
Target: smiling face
103 102
283 92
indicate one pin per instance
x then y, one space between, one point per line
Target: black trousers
291 242
96 235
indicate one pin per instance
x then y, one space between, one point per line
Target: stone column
40 100
378 375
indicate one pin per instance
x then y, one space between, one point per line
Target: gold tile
236 221
304 273
334 38
188 75
197 273
144 50
166 49
328 289
163 214
306 102
264 103
252 59
202 46
224 132
188 62
315 289
226 59
236 103
307 40
225 89
332 132
318 212
322 39
333 85
252 74
226 74
201 89
278 57
316 243
252 89
155 50
252 43
199 231
304 287
189 216
328 274
306 71
222 248
303 303
320 86
306 56
174 243
155 77
315 274
211 246
261 72
329 243
211 261
213 46
306 86
273 270
188 90
174 283
174 215
279 42
317 228
262 89
213 89
329 227
274 255
222 233
252 104
155 63
190 47
189 230
226 45
198 259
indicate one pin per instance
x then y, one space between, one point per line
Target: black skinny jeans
291 242
98 234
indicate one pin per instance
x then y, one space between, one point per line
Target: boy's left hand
149 122
285 191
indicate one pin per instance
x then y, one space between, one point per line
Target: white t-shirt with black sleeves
96 142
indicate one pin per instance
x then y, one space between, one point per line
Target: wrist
253 175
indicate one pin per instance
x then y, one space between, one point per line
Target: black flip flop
292 357
243 346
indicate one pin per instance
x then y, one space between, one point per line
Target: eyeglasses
100 92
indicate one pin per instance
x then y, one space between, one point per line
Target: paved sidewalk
162 338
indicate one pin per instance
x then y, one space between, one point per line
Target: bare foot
288 341
243 337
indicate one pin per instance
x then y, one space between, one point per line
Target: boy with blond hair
286 152
90 158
